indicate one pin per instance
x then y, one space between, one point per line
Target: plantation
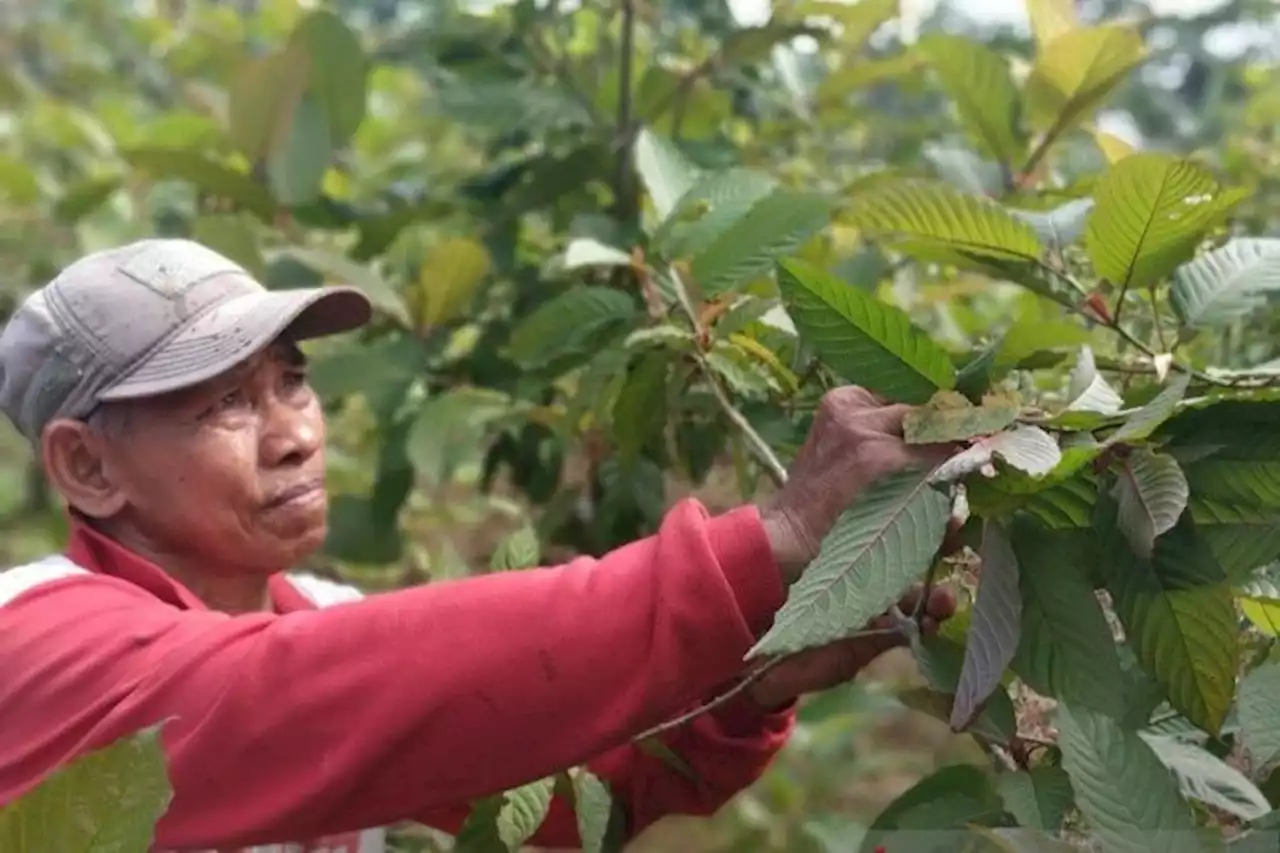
620 251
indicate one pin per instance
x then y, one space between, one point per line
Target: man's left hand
841 661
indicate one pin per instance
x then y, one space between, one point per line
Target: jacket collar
101 554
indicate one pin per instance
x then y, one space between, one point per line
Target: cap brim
235 330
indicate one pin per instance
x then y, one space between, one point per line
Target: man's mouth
296 492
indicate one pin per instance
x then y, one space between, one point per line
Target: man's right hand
856 438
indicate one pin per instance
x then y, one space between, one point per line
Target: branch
624 195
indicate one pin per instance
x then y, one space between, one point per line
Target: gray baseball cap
147 318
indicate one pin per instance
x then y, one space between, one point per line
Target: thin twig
1155 319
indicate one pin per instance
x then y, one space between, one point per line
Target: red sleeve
288 727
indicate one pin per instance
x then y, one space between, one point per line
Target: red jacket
336 714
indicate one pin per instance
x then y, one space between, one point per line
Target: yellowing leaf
448 279
1075 71
1152 209
949 416
1051 18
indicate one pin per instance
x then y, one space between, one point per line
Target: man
163 389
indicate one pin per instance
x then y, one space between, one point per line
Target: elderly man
164 391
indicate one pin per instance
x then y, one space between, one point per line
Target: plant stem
1157 322
625 195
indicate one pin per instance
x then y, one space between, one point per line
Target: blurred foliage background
467 162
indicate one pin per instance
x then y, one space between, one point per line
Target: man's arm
312 723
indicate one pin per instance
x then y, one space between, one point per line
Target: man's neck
228 589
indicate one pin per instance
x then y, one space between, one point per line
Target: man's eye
231 398
296 377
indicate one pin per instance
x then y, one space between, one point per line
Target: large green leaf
1242 538
1039 798
566 322
1075 71
108 801
708 209
1259 718
994 628
1226 284
1205 777
863 339
1142 423
261 97
296 167
877 548
1152 209
339 71
774 226
206 174
1151 493
1126 794
1177 610
1066 649
936 221
977 80
932 815
1230 452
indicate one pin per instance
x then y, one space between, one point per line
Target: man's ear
73 456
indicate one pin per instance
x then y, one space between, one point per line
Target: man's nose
291 434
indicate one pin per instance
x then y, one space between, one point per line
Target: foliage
619 251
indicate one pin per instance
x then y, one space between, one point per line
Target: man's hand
828 666
855 439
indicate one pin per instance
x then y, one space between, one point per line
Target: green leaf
1088 390
1204 777
447 429
523 810
936 222
665 172
566 322
977 81
863 339
1241 538
1142 423
775 226
876 549
231 235
1061 226
594 810
296 167
339 71
107 801
588 252
1074 72
336 268
933 815
1177 610
1256 708
1128 797
708 209
995 626
1066 649
205 174
1226 284
1151 493
949 417
520 550
261 97
1038 798
1152 211
1260 599
640 412
1027 448
996 722
448 279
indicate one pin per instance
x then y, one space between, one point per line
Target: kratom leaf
666 173
773 227
1126 794
523 810
588 252
1259 599
566 322
1088 391
107 801
640 411
708 209
995 628
1226 284
1178 613
1075 71
339 71
1256 708
1151 493
1027 448
1230 452
262 94
1241 538
1039 798
995 723
921 217
1050 19
949 416
1061 226
932 815
977 81
232 235
1152 210
863 339
594 811
876 549
296 166
448 279
217 179
1142 423
1204 777
520 550
1066 649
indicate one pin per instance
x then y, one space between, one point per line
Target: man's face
232 470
